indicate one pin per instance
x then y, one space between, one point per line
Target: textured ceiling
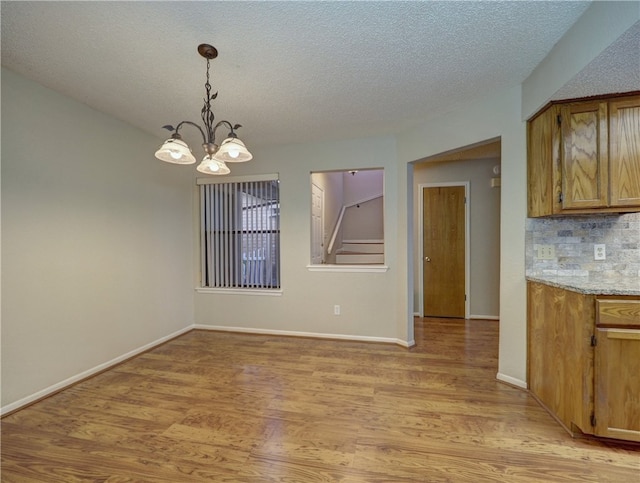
287 71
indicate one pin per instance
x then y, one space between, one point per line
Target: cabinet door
543 149
584 155
617 384
560 356
624 153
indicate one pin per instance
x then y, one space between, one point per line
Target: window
347 220
240 233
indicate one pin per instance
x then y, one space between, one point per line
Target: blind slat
240 234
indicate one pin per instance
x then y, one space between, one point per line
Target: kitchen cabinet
584 359
617 369
584 157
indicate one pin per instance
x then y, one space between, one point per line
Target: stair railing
336 229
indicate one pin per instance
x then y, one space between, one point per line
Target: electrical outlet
546 252
336 310
599 251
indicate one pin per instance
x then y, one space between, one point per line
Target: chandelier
231 150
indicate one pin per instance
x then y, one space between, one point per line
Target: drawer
618 313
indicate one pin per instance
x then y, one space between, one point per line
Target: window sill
241 291
348 268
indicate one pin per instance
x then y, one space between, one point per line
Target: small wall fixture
231 150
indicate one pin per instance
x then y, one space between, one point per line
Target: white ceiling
287 71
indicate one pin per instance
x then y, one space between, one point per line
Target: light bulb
175 154
233 153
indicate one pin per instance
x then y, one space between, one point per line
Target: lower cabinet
617 369
584 360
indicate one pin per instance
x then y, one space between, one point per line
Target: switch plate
545 252
599 251
336 310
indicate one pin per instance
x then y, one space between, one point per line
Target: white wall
367 300
96 240
488 118
484 227
364 221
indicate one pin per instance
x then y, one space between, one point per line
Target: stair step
373 247
355 258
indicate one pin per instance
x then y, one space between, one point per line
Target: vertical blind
240 234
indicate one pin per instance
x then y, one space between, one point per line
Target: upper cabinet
584 157
624 151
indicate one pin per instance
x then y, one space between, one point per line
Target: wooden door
444 251
624 152
584 155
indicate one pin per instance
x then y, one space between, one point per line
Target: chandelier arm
204 137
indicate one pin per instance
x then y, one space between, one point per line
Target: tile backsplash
574 237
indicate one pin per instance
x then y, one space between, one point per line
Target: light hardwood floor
214 406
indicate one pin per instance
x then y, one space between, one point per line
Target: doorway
445 250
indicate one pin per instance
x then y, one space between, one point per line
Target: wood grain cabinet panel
617 369
584 360
617 383
540 150
624 122
584 157
560 355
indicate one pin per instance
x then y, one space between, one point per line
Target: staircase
360 252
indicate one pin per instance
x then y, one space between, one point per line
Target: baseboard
478 317
511 380
9 408
313 335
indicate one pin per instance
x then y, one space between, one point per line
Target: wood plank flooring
214 406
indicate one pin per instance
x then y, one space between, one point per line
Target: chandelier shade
175 151
210 165
232 150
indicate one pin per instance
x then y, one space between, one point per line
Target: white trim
484 317
348 268
88 373
511 380
467 242
240 291
238 179
316 335
371 241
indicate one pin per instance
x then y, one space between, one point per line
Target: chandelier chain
207 114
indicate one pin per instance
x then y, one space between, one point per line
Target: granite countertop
591 285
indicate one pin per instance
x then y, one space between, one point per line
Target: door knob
427 259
